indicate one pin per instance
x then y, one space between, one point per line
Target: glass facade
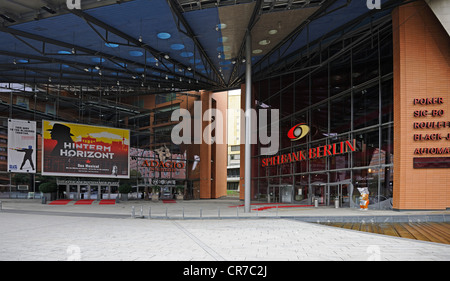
344 92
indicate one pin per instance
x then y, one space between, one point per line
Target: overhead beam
253 19
295 32
156 53
112 58
174 7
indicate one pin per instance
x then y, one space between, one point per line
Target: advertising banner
159 166
79 150
21 146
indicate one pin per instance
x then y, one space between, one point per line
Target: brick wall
421 70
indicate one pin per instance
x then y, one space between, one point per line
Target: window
235 148
163 98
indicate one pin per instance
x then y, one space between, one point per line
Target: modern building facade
362 94
381 88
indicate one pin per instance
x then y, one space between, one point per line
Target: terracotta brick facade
421 70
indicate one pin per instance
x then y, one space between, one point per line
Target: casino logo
298 132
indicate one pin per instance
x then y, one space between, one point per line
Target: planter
155 197
180 197
124 196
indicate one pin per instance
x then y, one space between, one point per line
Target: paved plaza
31 231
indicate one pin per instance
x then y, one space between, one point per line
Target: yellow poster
84 151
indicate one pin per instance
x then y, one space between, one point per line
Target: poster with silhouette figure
80 150
21 146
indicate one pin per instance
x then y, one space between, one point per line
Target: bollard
1 206
142 211
200 212
316 202
237 212
133 214
218 213
166 214
149 212
183 213
336 202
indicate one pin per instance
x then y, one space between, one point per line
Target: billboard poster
79 150
21 146
157 165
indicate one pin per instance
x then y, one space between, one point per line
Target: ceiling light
164 35
257 51
273 31
264 42
177 47
140 39
111 45
187 54
221 26
136 53
166 57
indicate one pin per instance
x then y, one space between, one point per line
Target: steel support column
248 121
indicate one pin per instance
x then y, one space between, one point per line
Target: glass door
273 194
334 191
318 192
340 190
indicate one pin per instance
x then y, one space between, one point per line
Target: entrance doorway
326 193
280 194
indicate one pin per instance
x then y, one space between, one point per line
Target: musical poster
85 151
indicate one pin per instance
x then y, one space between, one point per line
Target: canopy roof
152 46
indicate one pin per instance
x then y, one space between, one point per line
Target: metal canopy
156 46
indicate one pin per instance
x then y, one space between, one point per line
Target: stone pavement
36 232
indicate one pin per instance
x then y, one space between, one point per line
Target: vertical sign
21 146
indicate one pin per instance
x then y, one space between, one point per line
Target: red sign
312 153
160 166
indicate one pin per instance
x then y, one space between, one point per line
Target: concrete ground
204 230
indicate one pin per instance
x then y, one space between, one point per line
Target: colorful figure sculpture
364 201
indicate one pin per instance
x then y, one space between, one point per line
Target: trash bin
336 202
316 202
44 199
